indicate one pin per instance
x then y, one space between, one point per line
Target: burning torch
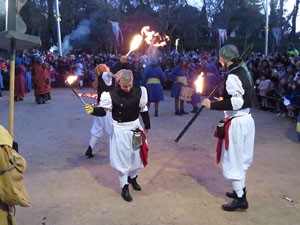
135 43
69 82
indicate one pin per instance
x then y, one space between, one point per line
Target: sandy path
181 185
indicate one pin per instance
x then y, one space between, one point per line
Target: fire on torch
135 43
150 37
199 83
69 82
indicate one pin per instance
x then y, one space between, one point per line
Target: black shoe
178 113
16 99
21 99
156 114
233 194
126 194
183 112
238 204
134 184
89 152
0 94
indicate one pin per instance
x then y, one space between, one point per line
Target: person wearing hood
236 133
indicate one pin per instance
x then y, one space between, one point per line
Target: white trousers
100 125
123 177
239 156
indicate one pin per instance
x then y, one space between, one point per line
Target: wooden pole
12 86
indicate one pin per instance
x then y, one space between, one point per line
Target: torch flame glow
71 79
199 83
154 38
135 43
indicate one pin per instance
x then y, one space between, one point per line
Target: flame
199 83
135 43
71 79
154 38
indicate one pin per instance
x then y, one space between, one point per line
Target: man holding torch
128 147
237 144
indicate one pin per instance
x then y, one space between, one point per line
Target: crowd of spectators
276 77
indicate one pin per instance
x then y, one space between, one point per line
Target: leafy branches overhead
176 18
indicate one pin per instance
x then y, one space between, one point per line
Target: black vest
241 73
125 106
102 87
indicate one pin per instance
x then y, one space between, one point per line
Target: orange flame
135 43
154 38
199 83
71 79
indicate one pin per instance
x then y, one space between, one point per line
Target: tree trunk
294 19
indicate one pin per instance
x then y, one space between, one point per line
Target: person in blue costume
211 75
153 76
179 75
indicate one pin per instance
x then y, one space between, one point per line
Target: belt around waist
153 81
210 74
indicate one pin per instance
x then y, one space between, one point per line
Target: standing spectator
289 73
154 77
291 50
263 87
20 88
294 99
264 70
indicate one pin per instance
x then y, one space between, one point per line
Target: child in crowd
263 87
294 99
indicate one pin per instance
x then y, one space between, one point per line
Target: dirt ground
182 185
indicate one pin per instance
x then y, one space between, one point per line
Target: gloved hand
89 109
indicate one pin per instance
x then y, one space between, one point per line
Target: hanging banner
276 31
116 31
222 36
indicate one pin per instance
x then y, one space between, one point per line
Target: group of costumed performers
104 82
12 187
154 76
236 144
41 79
128 146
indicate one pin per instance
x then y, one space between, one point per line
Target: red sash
220 140
144 150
